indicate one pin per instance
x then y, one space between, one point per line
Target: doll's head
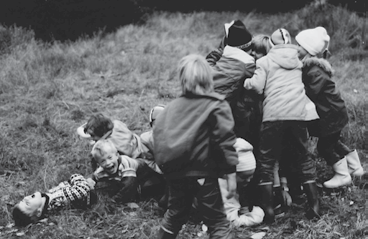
29 209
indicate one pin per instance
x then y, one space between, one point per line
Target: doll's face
109 162
31 203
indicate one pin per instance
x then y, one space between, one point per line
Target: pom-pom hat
238 35
245 155
280 36
314 41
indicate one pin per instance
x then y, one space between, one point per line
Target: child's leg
211 206
306 166
181 194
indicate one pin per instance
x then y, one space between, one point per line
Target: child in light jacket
278 77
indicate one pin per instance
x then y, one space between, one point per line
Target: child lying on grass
74 193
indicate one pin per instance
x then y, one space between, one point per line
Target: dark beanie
238 35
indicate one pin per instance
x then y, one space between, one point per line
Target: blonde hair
103 147
261 44
195 75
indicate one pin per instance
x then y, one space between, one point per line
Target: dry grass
48 90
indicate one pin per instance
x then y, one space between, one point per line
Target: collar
44 210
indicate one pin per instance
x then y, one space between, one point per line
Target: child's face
109 162
301 52
31 203
257 54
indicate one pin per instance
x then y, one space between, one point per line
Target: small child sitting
236 214
74 193
116 174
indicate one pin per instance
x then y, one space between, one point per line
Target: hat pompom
237 34
314 41
280 36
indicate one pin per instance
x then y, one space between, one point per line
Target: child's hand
231 185
286 197
91 183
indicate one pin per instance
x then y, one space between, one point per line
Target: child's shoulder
319 62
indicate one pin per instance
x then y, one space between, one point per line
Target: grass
47 90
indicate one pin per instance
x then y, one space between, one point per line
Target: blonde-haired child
193 145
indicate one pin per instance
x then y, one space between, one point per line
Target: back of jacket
321 89
194 137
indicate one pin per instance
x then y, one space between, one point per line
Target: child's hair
22 219
103 147
99 124
261 44
195 75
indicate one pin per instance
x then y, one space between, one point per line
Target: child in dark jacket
232 64
193 146
321 89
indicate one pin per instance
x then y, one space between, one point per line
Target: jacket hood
286 56
320 62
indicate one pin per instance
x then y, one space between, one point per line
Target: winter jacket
193 137
279 77
321 89
231 67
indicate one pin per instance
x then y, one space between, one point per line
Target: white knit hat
280 36
314 40
245 155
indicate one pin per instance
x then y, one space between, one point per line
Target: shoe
267 202
354 166
311 191
342 176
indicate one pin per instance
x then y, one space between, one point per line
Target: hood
286 56
238 54
322 63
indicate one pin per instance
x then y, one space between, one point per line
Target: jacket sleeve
77 189
258 80
223 138
214 56
314 83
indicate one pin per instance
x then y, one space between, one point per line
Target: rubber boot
341 177
162 234
355 168
267 202
311 190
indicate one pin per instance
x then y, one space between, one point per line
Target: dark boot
311 191
267 202
162 234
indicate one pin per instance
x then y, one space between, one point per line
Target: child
116 174
260 46
193 146
236 213
321 89
279 78
125 141
73 193
232 64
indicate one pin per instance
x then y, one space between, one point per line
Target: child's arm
258 80
314 84
128 190
231 185
77 189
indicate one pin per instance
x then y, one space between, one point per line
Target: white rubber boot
341 177
355 168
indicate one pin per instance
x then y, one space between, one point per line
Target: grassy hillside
48 90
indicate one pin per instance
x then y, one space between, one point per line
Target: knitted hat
237 34
155 111
280 36
245 155
314 40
